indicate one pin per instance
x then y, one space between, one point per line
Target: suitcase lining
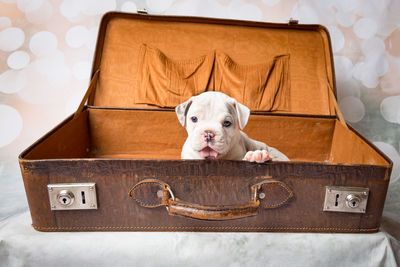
124 134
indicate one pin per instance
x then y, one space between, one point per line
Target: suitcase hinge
142 11
293 21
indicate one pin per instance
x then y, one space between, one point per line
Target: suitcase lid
160 61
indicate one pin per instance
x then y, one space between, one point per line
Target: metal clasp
72 196
346 199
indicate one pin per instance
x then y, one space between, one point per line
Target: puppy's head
213 121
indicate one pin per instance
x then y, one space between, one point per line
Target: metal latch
346 199
73 196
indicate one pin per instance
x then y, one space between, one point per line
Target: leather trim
209 229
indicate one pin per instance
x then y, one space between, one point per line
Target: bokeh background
46 50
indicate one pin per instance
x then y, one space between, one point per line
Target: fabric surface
46 50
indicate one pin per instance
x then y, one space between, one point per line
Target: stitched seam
284 201
205 228
144 204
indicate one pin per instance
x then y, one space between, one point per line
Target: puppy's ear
182 110
243 114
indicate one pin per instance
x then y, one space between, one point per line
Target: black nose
208 135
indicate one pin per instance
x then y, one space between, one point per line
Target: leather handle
214 213
267 194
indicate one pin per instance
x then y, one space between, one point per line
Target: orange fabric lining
261 87
245 45
166 82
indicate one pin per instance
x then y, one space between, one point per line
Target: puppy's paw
258 156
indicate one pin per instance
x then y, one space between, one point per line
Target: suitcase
115 164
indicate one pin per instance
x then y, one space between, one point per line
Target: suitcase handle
267 194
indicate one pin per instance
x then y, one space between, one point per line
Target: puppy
213 122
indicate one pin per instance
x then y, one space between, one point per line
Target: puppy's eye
194 119
227 123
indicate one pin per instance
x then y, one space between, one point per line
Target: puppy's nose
208 136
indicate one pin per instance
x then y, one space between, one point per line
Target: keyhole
337 200
64 200
354 203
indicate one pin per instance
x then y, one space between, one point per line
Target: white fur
212 109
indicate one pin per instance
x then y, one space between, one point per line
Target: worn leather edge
209 229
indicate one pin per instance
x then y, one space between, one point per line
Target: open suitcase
115 164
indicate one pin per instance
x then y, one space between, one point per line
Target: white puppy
212 121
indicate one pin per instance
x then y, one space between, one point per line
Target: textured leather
208 183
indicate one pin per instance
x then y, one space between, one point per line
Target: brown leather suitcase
115 164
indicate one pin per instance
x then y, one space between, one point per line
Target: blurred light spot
365 28
392 153
29 5
352 108
243 11
392 43
390 109
18 60
129 6
98 7
271 2
305 14
345 19
10 124
348 88
53 68
158 6
11 39
43 43
326 12
343 68
81 70
77 36
207 8
41 15
345 5
12 81
187 8
366 73
92 38
373 46
73 102
337 38
389 83
48 79
5 22
70 8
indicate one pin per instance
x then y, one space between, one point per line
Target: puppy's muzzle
208 135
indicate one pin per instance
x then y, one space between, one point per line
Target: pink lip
208 153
